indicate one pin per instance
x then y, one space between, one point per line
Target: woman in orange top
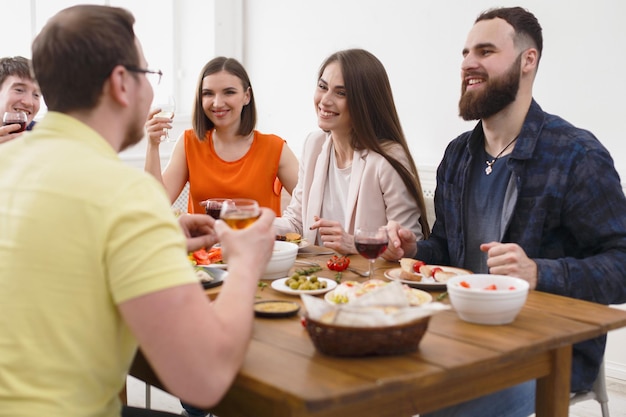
230 159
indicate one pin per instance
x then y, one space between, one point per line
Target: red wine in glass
371 249
371 244
16 122
15 118
214 211
214 207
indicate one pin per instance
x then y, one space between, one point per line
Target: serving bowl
282 260
486 298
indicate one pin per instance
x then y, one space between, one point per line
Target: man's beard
133 136
498 93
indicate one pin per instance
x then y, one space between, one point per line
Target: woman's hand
155 126
333 236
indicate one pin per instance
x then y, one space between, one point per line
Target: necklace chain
493 161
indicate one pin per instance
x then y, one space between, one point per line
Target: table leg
552 395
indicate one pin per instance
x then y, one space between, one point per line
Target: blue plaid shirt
569 216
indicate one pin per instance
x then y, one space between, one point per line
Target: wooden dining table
283 375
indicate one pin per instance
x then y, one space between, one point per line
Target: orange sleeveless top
253 176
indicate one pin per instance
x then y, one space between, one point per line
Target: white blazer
376 193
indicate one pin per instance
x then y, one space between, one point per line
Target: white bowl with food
486 298
283 258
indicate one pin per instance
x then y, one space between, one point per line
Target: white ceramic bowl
477 304
282 260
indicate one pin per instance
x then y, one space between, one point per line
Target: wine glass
15 118
240 213
167 104
371 244
213 207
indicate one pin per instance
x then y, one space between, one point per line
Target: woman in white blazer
357 172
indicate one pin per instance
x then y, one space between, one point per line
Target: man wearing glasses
92 259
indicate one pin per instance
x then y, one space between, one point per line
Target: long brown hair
374 117
201 123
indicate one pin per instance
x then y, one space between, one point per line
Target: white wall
580 76
283 42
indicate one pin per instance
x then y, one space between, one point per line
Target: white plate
395 275
279 285
220 266
303 244
416 297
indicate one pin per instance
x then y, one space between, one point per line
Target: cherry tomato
417 265
338 263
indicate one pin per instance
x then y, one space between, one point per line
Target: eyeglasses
154 76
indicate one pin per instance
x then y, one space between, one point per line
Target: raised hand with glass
240 213
15 118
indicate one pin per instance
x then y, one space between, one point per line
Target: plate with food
350 290
312 285
209 276
417 274
276 308
211 257
294 238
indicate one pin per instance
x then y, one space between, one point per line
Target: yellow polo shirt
80 232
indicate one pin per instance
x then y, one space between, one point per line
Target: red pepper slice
201 256
215 255
434 270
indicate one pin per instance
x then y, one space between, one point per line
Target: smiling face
331 102
491 70
20 94
223 99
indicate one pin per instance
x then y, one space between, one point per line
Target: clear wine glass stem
371 261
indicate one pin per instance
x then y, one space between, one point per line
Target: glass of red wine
15 118
214 207
371 244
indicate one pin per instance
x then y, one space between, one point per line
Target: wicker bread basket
366 341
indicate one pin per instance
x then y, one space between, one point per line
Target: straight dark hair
201 123
76 51
374 117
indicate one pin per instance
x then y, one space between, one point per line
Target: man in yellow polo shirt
92 260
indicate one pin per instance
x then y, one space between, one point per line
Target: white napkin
385 306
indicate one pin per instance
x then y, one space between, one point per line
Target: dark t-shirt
483 208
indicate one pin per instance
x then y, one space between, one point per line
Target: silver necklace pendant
489 164
493 161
